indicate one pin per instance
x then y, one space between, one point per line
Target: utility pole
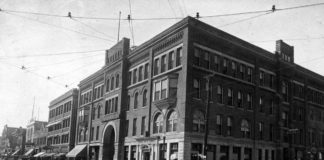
207 114
118 26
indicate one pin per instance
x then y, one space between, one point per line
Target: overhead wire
245 19
35 74
53 54
289 39
167 18
60 27
92 28
63 62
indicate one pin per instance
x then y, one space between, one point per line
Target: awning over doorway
77 151
59 154
16 152
39 154
29 152
47 155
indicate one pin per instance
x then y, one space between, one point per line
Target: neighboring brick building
149 102
62 122
13 140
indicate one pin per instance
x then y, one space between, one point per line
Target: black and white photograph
162 80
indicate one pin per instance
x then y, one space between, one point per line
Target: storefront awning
16 152
29 152
47 155
39 154
76 151
59 154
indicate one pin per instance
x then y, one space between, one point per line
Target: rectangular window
229 126
230 96
249 101
97 133
261 104
271 81
133 153
146 70
206 60
179 56
126 151
249 74
225 65
242 69
143 126
126 128
164 86
196 87
156 66
134 76
219 94
91 133
260 130
239 99
163 64
129 80
261 78
234 69
271 107
140 73
157 91
197 56
271 132
173 149
171 60
134 126
218 124
216 63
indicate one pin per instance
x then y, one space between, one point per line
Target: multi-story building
62 122
13 139
150 102
36 133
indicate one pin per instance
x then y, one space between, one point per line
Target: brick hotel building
148 103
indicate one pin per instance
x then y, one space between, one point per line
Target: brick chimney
284 51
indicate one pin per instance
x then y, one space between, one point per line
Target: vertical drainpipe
150 75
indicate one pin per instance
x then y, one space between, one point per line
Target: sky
67 50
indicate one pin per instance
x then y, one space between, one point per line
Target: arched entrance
108 150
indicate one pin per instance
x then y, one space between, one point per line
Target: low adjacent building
61 122
36 133
13 140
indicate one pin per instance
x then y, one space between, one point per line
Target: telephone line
60 27
53 54
167 18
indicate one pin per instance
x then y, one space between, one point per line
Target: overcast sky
28 35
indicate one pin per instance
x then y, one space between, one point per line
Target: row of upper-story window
135 102
158 124
226 126
66 107
58 139
64 124
299 90
218 62
167 61
112 83
231 97
138 73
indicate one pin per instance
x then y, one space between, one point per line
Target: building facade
62 122
149 103
13 139
36 133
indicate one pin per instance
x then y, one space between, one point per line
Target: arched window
198 122
136 100
144 98
158 123
112 83
172 122
245 128
117 80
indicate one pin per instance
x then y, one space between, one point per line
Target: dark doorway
146 156
108 144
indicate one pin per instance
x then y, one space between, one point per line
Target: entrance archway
108 150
